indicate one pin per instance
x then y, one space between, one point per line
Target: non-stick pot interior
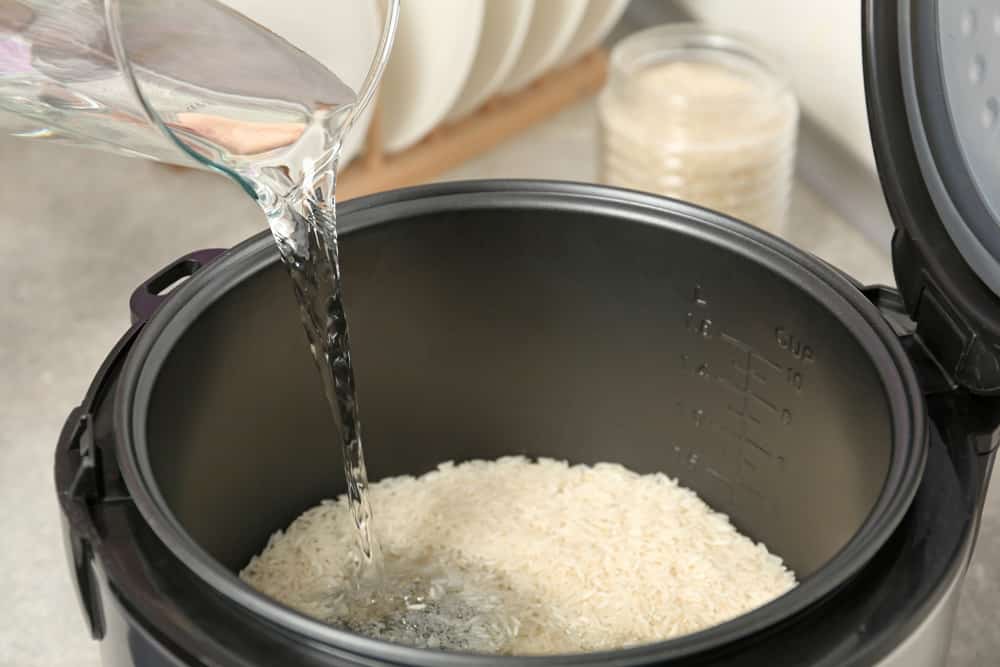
563 334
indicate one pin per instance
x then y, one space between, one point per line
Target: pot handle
151 294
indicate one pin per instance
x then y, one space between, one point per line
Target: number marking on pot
754 414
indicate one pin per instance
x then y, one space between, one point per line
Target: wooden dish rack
449 145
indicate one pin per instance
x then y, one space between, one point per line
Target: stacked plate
451 56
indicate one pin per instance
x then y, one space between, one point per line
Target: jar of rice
702 116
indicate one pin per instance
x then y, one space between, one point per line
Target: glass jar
700 115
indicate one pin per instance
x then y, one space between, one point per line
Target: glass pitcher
222 85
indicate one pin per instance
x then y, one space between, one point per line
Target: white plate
505 27
552 27
341 35
435 46
601 17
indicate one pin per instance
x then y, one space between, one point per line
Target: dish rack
451 144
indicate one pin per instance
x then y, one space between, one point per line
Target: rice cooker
852 429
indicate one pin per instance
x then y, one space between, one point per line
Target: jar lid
932 79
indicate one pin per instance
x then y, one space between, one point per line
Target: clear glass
702 116
232 86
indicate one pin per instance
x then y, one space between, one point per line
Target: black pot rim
829 286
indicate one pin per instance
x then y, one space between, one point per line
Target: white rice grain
584 558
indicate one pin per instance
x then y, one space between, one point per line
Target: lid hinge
987 442
962 353
962 415
934 378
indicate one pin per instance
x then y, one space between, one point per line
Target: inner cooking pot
549 320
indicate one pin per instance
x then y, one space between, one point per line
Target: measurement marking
758 355
743 415
769 405
751 354
729 384
757 445
716 474
731 433
735 341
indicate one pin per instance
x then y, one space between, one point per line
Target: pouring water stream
413 602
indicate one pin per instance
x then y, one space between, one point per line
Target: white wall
820 44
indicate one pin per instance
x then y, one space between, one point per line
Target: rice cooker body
149 608
155 599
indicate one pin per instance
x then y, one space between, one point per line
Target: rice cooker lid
932 78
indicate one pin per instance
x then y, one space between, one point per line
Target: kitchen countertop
80 229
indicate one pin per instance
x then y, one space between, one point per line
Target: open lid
932 79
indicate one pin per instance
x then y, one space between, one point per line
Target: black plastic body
158 614
545 319
956 313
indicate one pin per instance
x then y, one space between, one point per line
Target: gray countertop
79 229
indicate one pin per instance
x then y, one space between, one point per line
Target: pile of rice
580 558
